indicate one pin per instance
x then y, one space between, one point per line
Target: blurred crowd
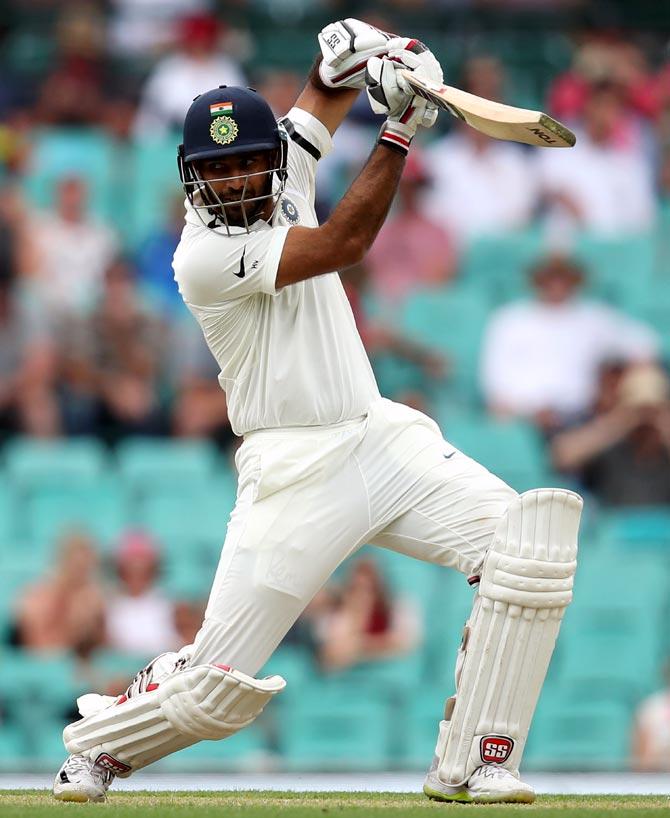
84 605
95 341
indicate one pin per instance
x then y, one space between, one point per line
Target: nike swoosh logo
448 456
242 272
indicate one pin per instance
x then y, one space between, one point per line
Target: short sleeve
211 268
308 132
309 142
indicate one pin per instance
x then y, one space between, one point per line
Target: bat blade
493 118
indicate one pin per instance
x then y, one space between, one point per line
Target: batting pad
525 586
202 702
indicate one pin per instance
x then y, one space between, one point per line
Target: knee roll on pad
202 702
525 586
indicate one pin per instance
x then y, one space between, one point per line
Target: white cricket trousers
308 498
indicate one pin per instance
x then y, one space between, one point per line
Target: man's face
556 283
227 177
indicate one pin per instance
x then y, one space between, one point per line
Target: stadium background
70 85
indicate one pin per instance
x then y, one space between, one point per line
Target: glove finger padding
346 46
386 96
415 56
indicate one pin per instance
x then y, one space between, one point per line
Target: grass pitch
243 804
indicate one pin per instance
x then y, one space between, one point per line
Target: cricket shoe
80 779
489 784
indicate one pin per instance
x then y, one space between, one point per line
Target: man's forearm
346 236
360 214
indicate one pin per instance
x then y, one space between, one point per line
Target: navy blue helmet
231 121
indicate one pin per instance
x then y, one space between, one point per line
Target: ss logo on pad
495 749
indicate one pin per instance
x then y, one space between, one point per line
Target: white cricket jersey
288 357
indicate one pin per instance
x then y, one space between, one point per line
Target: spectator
70 253
188 616
141 28
605 183
72 94
112 364
196 64
482 186
140 618
540 358
651 731
383 341
411 250
599 60
280 89
622 454
27 401
310 628
154 263
368 623
54 612
15 233
199 407
663 226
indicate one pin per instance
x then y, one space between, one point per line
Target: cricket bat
494 118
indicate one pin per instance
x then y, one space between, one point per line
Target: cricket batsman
327 464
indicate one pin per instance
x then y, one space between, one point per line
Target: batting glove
347 45
390 94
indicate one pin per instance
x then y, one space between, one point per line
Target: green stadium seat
40 680
145 464
396 376
295 664
572 735
417 728
8 511
97 509
32 463
640 530
187 572
329 728
610 578
118 666
619 271
21 563
388 679
450 604
38 692
14 752
154 185
199 515
86 153
498 266
450 321
402 574
612 633
246 750
513 450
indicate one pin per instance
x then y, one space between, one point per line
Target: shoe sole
514 797
77 797
464 797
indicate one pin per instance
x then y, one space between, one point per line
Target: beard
235 209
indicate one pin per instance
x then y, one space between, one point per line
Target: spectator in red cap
140 618
183 74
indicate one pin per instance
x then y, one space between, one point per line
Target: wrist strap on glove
396 135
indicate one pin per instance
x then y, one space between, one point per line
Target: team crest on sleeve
289 211
223 130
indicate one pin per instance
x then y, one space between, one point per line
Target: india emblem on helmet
223 130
